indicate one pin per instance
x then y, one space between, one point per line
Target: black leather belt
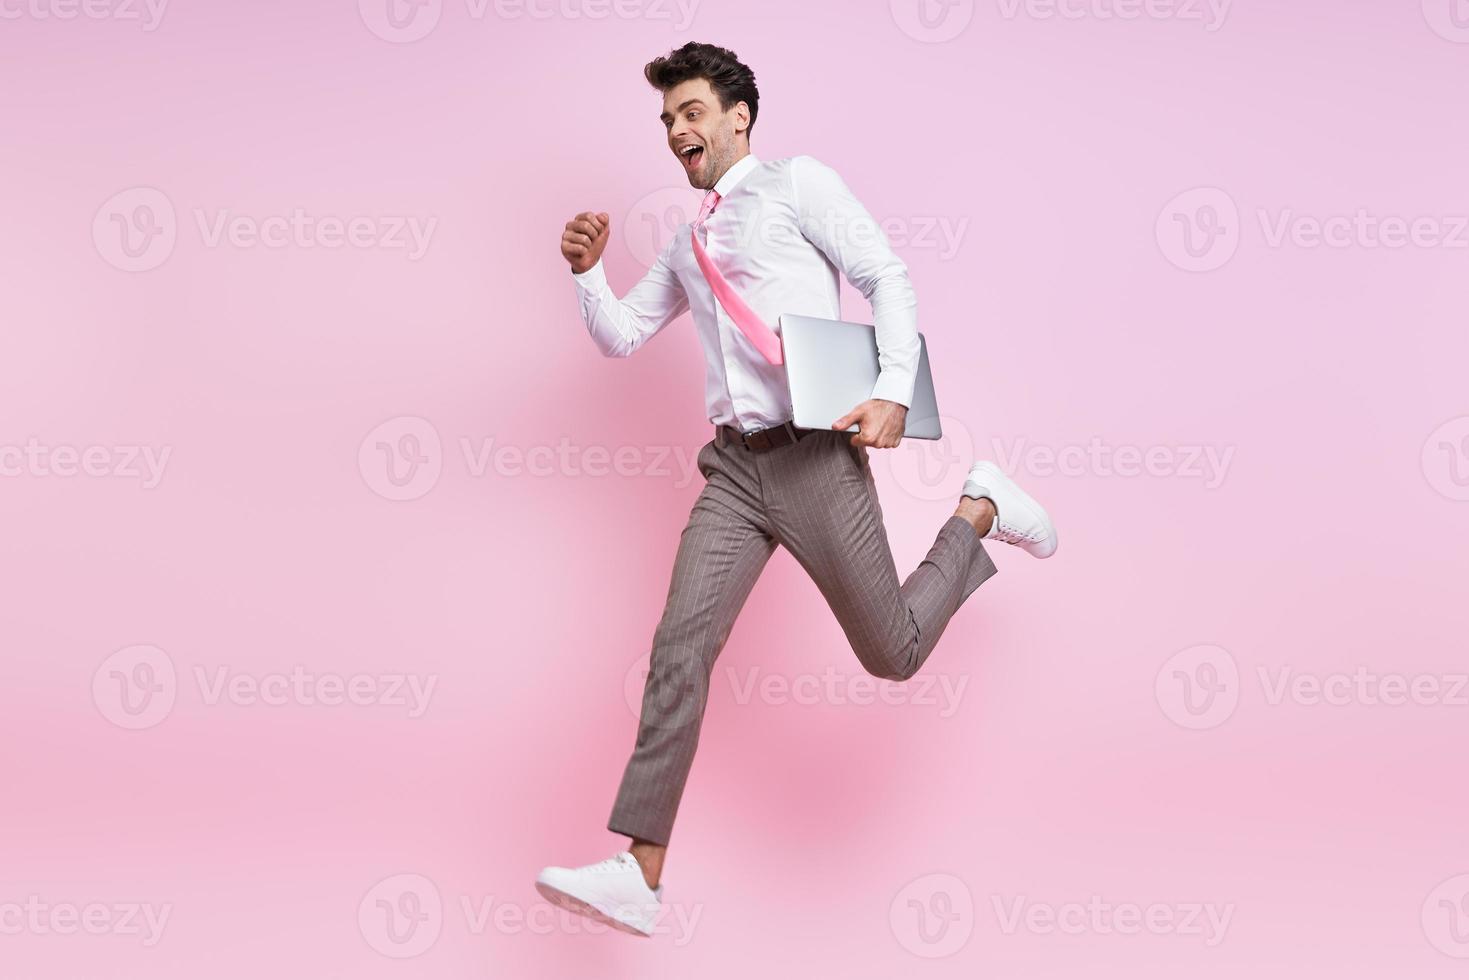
762 440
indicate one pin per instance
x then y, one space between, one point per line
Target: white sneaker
1019 520
613 891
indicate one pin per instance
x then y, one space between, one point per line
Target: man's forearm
602 313
620 326
895 319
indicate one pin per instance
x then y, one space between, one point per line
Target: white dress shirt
781 232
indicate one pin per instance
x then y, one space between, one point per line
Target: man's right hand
585 238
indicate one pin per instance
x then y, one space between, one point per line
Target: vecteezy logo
402 458
1198 687
672 695
400 21
928 468
1448 18
1446 459
933 916
401 916
932 21
1446 917
135 687
1199 230
653 219
135 230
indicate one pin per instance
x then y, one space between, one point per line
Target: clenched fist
585 238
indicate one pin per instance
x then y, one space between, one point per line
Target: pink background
1075 764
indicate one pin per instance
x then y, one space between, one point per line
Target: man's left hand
879 423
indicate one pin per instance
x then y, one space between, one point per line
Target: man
771 239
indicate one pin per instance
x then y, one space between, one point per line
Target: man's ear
742 117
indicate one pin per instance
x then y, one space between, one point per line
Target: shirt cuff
894 387
593 279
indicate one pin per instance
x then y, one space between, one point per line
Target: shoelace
615 863
1010 534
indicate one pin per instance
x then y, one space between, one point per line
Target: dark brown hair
732 81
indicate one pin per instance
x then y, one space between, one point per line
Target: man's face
693 118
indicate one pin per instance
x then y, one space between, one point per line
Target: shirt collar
735 174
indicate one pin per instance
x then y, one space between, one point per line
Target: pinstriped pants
816 497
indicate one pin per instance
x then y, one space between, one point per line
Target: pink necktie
749 322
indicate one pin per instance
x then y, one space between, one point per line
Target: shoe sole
571 903
990 469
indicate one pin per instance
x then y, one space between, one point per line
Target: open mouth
691 156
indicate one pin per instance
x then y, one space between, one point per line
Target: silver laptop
832 366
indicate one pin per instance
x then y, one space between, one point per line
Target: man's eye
694 115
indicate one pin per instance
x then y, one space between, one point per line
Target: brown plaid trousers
817 498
